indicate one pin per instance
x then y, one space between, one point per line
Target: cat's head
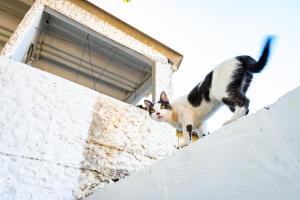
160 111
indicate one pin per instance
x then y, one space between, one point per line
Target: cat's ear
148 104
164 97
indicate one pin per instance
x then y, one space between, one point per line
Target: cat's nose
158 113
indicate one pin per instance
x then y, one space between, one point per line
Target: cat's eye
163 107
152 110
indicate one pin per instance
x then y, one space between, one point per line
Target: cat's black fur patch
234 88
240 100
150 108
229 103
240 83
256 66
246 61
189 129
201 92
141 107
247 80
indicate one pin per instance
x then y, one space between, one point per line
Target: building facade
70 77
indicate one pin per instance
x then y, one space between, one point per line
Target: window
68 49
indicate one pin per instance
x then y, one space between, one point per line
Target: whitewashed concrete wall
163 75
19 39
256 157
59 140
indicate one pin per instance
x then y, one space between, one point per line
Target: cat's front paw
183 145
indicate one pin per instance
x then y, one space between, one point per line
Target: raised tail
256 67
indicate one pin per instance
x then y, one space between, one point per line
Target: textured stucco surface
256 157
59 140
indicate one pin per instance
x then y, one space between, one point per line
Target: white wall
60 140
256 157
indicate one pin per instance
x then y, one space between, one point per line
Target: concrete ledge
256 157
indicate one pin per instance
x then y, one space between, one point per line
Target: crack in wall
52 162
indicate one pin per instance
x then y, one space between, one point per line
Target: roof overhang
173 56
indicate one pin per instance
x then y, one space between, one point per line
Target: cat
226 85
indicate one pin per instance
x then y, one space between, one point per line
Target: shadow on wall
121 139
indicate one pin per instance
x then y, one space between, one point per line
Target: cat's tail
260 64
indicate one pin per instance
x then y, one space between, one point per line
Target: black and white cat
225 85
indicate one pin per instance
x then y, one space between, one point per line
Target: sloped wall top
256 157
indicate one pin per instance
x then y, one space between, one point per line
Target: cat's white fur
222 76
183 113
226 84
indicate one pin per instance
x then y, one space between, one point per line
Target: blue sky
209 32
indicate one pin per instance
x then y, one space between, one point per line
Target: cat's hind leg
187 135
187 123
238 105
